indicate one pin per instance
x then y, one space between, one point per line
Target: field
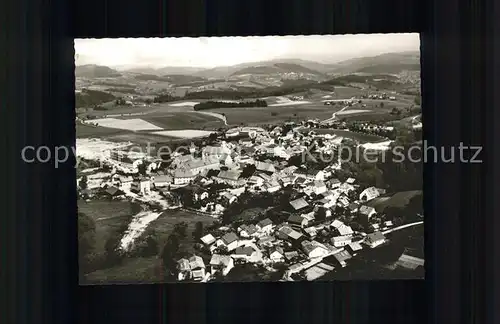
83 131
184 120
276 114
176 116
133 124
149 269
186 133
108 215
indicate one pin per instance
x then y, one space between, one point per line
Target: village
300 222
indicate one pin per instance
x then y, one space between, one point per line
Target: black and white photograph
249 159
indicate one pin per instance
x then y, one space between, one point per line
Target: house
265 167
288 180
183 177
366 212
266 241
113 192
208 239
141 186
350 181
295 236
319 187
345 230
265 225
277 255
272 186
369 194
388 224
311 231
221 264
228 198
346 188
374 239
336 224
246 253
342 257
247 230
334 183
326 203
125 182
343 201
299 204
196 263
354 248
255 181
231 177
301 182
340 241
230 241
162 181
297 220
184 270
409 262
353 207
215 151
289 170
226 159
291 255
312 249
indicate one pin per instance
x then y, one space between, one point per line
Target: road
216 115
402 227
334 115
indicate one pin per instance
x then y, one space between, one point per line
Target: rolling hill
392 63
95 71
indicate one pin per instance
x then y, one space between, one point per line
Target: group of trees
91 98
171 250
225 104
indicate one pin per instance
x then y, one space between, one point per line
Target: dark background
38 239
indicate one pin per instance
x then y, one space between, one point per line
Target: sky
208 52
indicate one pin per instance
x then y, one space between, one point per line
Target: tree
381 105
181 229
321 214
248 171
112 248
198 231
169 254
86 235
83 182
142 168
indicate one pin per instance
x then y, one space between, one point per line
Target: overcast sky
223 51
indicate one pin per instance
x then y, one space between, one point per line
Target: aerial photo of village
231 159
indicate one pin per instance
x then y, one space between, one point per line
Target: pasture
83 131
184 120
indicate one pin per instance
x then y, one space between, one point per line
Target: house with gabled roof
319 187
277 255
409 262
369 194
299 204
265 167
229 240
265 225
221 264
366 212
297 220
208 239
340 241
374 239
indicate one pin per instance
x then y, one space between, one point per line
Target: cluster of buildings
309 235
